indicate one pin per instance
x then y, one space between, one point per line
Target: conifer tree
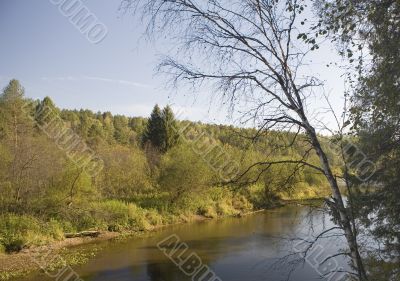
161 131
170 126
154 133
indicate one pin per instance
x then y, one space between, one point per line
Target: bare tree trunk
338 204
253 57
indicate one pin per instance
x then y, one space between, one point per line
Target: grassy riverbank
144 213
15 265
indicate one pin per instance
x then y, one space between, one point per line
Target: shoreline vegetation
22 264
80 172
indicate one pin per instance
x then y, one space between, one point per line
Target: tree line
151 174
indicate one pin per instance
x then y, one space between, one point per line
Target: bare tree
252 52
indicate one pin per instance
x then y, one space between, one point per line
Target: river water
253 248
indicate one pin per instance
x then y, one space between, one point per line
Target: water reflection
236 249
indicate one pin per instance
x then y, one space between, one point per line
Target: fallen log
82 234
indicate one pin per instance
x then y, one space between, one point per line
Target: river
251 248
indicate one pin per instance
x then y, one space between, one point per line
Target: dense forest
147 172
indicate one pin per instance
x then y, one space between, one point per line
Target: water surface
251 248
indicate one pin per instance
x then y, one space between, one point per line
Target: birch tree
252 53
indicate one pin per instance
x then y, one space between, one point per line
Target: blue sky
50 57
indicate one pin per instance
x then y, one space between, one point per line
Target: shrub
19 231
241 203
55 229
225 208
154 218
152 200
207 211
84 220
118 216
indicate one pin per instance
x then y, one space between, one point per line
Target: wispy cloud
123 82
100 79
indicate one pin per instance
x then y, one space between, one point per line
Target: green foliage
170 127
155 133
125 174
221 202
46 112
261 197
194 173
172 178
19 231
118 216
375 116
162 129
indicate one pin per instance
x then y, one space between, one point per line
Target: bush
222 202
85 220
154 218
19 231
241 203
126 172
118 216
208 212
55 229
261 197
153 200
225 208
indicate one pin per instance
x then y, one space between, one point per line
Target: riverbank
18 265
23 263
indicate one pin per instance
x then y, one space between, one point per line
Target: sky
51 57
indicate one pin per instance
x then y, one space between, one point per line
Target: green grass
144 213
19 231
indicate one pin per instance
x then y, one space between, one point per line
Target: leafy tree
249 52
194 173
14 116
126 172
96 133
108 125
373 27
18 129
46 111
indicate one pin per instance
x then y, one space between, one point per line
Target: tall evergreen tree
161 130
170 127
155 133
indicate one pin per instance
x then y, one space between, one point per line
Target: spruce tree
155 133
170 127
161 131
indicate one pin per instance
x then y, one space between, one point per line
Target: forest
153 171
64 171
